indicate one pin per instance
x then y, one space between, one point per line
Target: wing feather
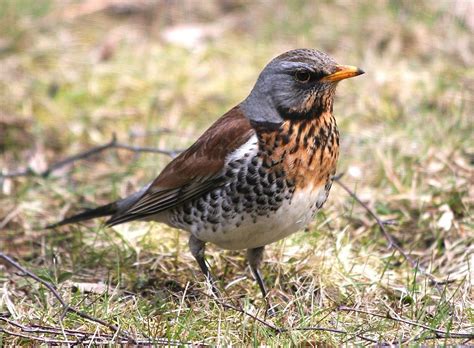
194 172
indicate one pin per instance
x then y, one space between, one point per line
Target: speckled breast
273 185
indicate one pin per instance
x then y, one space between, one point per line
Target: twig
99 340
46 329
81 337
392 244
279 330
439 333
134 148
320 328
37 338
112 144
66 306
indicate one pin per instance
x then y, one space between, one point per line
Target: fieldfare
259 173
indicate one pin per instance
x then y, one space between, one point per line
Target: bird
255 176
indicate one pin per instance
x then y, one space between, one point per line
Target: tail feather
105 210
117 207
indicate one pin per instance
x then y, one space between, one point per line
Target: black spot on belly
187 208
249 197
234 165
268 191
248 205
213 219
258 190
241 175
271 178
280 184
201 205
251 179
290 182
226 207
243 189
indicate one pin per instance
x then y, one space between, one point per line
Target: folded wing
194 172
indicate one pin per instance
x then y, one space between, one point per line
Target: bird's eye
302 76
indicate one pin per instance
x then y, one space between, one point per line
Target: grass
71 77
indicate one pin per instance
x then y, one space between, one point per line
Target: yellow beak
342 72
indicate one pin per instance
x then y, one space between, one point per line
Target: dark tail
119 206
105 210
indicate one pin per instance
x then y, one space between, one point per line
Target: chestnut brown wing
194 172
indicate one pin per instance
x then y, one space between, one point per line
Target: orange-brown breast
306 150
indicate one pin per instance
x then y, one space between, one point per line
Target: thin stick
46 329
82 336
440 333
66 306
99 340
112 144
172 153
392 244
37 338
279 330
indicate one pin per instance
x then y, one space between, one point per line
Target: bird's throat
307 149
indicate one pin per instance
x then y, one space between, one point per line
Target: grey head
297 84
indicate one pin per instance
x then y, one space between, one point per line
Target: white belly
291 217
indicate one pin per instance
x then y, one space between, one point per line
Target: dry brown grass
71 76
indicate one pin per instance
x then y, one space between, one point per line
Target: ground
156 74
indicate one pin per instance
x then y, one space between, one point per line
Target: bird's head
295 85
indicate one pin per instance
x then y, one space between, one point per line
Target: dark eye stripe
305 76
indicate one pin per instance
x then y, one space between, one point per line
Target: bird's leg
197 248
254 257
